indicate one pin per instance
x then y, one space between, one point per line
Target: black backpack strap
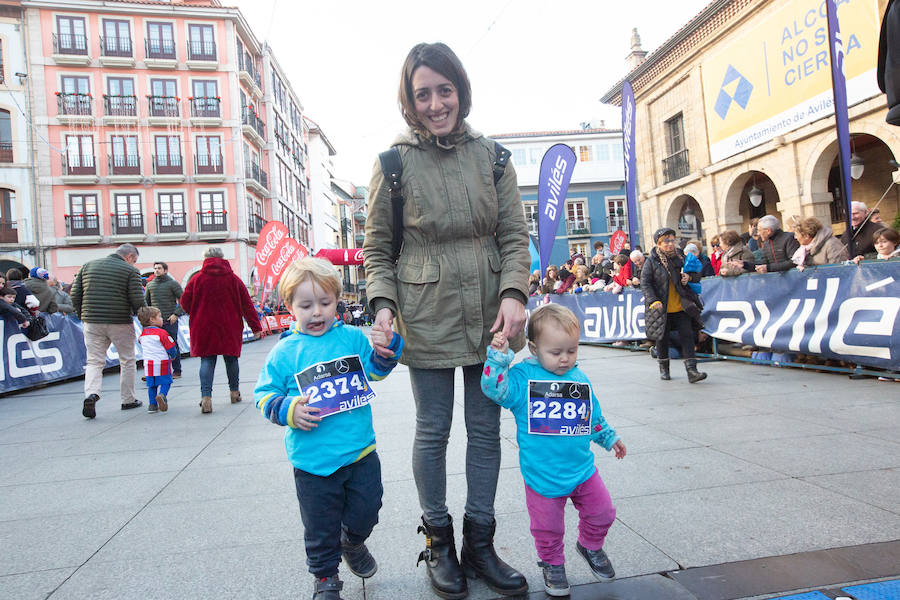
392 167
500 162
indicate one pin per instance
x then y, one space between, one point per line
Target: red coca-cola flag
617 241
342 256
270 240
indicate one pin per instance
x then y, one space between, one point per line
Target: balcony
124 168
578 226
208 168
255 223
160 54
120 110
359 238
70 49
253 127
6 152
359 216
676 166
168 168
83 225
249 74
74 108
9 232
212 221
116 51
171 225
163 110
130 225
81 170
257 180
202 55
206 111
617 223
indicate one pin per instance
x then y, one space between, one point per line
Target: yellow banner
774 74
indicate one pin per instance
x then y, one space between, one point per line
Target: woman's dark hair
888 234
439 58
14 274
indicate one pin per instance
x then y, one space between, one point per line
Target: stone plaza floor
754 482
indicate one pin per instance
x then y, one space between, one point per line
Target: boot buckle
425 555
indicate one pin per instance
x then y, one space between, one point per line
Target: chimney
637 55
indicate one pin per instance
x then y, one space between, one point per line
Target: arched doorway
871 166
686 218
6 265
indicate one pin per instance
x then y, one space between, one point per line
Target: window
675 165
129 216
576 221
82 218
116 40
120 101
170 218
6 150
2 78
209 154
70 37
212 211
531 218
163 98
205 102
579 248
616 214
518 156
75 98
585 153
160 41
8 227
602 151
535 155
125 159
80 155
675 134
168 154
201 42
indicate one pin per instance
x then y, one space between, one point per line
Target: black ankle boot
447 579
480 560
328 588
664 369
690 365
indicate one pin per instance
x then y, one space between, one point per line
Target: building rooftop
569 132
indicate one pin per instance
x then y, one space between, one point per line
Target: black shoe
479 559
664 369
131 405
328 588
690 365
357 558
555 581
598 562
88 409
447 579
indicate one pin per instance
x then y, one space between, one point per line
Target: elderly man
106 293
38 284
863 230
778 246
163 293
637 262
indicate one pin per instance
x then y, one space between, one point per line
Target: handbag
37 329
655 322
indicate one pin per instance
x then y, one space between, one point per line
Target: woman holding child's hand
461 276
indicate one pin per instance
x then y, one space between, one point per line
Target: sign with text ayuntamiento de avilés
772 75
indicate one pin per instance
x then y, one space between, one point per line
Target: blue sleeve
271 393
692 263
495 376
602 433
377 367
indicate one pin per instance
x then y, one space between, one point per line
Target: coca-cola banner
289 251
270 240
342 256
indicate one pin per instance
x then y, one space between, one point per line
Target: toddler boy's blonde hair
145 313
552 315
319 270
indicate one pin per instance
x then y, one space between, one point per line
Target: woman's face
884 246
666 244
437 101
802 238
723 246
551 273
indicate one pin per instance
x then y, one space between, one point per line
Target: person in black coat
778 246
665 288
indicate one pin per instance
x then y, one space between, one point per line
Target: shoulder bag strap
392 167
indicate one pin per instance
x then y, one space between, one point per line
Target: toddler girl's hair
145 313
552 315
319 270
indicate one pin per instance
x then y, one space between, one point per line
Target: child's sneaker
163 403
555 581
328 588
598 562
152 407
357 557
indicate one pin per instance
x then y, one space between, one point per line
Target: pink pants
596 515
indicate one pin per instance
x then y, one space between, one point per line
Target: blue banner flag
839 87
553 183
628 135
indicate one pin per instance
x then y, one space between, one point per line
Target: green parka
107 290
465 247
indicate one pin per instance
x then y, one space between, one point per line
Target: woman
715 255
665 289
887 245
818 246
216 299
737 258
462 274
551 280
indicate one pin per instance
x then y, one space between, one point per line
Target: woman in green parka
461 275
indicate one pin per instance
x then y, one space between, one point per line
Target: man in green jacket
163 293
106 293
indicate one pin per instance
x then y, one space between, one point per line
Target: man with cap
37 283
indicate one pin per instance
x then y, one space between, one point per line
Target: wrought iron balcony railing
74 104
82 224
676 166
112 45
163 106
171 222
167 164
70 43
162 48
120 106
201 50
127 223
212 220
206 106
124 164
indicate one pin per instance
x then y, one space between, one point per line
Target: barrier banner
843 312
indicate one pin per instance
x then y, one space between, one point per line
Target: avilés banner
628 136
553 183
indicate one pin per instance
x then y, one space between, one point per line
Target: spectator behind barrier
887 245
818 246
715 255
778 246
637 264
737 259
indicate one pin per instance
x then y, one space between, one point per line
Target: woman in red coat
217 302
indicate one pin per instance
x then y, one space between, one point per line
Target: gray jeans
433 392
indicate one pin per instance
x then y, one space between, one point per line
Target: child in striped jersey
158 348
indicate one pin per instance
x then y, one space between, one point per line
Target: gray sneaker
598 562
555 581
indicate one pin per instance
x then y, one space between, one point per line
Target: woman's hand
382 330
304 415
511 317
